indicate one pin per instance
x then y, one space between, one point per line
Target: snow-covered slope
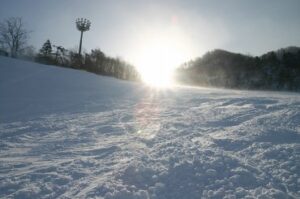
71 134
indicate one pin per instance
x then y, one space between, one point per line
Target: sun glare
157 65
157 60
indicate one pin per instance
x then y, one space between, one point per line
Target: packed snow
71 134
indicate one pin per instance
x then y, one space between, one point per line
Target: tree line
275 70
13 42
95 61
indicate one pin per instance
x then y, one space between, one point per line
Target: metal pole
80 43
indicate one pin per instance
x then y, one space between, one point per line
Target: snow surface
71 134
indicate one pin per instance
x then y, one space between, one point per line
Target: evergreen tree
46 50
44 55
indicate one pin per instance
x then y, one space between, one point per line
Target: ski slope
71 134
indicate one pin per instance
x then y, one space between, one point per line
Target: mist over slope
275 70
71 134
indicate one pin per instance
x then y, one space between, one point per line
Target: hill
276 70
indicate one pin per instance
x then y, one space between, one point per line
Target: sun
157 59
157 64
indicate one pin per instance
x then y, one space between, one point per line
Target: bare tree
13 35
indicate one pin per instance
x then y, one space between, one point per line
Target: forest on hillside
96 61
275 70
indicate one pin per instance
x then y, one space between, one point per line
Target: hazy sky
124 27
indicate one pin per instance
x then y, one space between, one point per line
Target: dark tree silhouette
13 35
46 50
276 70
45 54
97 62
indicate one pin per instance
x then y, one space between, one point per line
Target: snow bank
30 89
71 134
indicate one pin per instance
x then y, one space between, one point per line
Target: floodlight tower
82 25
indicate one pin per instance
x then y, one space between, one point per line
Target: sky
126 28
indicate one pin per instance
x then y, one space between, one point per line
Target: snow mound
71 134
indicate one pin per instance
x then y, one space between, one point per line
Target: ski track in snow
116 140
